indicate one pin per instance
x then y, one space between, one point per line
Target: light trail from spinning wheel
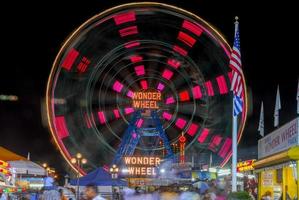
133 78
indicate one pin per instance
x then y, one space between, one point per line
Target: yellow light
73 160
111 169
79 155
84 161
113 166
45 165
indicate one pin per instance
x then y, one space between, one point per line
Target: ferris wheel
134 79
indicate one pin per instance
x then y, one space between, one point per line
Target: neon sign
146 100
141 166
245 166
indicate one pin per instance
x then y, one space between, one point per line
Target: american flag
236 66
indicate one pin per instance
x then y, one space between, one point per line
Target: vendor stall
278 164
28 174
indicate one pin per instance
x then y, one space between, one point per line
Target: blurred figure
206 196
4 196
250 192
91 193
115 194
267 196
221 195
62 197
189 196
168 194
203 187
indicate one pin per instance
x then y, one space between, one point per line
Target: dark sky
32 34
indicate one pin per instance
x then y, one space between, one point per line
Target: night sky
32 35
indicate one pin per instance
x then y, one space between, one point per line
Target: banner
279 140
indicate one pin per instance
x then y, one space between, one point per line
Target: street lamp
79 160
114 171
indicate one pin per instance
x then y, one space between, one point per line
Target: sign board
279 140
141 166
146 99
246 165
267 178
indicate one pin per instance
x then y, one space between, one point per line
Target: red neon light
124 17
180 50
203 135
143 84
192 129
170 100
167 115
82 66
102 117
117 86
132 44
222 84
70 59
139 123
184 95
135 58
61 127
167 74
130 94
173 63
209 88
131 30
182 139
196 92
180 123
160 86
129 110
192 27
215 142
116 113
139 70
225 148
87 121
187 39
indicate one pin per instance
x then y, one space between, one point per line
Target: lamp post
79 160
45 166
114 171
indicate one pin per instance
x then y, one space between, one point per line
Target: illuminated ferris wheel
134 78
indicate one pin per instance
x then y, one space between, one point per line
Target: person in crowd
115 194
91 192
250 192
62 196
4 196
206 195
267 196
221 195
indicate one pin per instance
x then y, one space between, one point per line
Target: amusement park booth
28 174
278 164
7 180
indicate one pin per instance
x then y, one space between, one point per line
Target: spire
277 108
261 122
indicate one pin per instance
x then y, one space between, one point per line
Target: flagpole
234 153
234 138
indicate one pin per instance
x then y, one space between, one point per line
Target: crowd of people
206 191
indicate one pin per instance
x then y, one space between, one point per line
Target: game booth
278 164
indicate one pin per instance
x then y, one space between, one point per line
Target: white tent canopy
27 167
